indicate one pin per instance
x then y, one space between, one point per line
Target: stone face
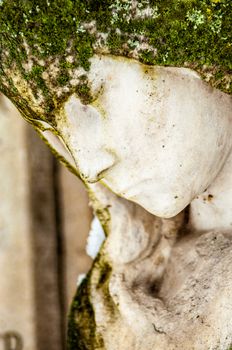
158 137
136 133
148 141
144 138
137 274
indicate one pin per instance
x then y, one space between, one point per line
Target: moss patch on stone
37 37
194 34
45 51
81 323
50 42
82 332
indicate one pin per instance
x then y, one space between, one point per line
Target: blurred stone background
44 223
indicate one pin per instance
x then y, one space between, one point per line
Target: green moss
195 34
63 78
104 217
83 90
104 275
81 323
115 42
38 35
104 271
82 333
41 33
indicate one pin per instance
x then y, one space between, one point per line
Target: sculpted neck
213 208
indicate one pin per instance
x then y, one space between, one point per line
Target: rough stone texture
45 48
47 63
154 291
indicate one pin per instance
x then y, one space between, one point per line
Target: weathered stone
45 49
156 136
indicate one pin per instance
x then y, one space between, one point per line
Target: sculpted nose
93 170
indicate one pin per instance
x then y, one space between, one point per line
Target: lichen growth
81 323
45 52
48 44
82 330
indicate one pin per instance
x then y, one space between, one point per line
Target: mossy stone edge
49 42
